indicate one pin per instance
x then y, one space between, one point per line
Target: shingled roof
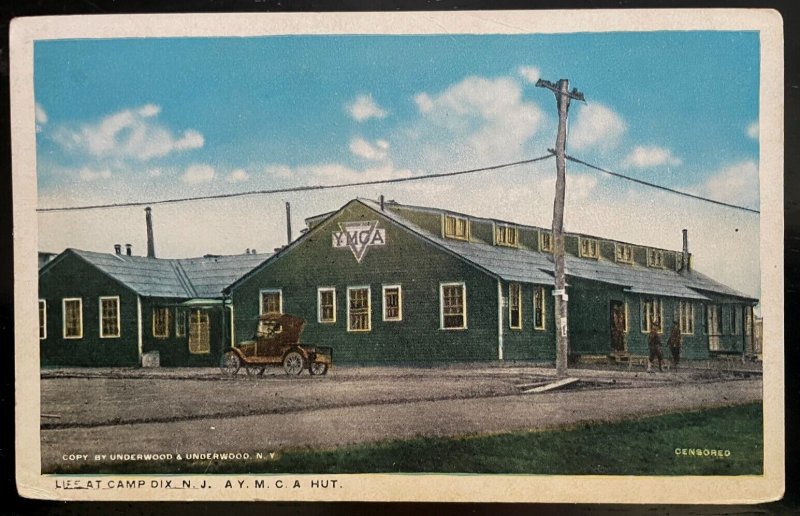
185 278
530 266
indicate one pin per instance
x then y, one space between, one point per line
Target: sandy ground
195 411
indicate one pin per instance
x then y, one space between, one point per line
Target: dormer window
589 248
456 227
506 235
655 258
623 253
545 241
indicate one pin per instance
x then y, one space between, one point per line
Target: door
618 323
199 332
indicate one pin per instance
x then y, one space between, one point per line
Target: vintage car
275 343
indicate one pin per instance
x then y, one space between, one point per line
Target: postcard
509 256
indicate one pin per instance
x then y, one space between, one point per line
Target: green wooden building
103 309
386 282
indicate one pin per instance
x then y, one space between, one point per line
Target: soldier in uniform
674 343
654 345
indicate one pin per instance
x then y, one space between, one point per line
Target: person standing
654 345
674 343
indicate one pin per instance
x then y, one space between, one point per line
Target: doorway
199 332
618 325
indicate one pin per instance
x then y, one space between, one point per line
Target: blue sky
141 119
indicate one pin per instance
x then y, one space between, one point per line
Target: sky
148 119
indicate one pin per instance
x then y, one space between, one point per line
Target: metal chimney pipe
288 223
686 250
117 249
382 203
128 249
151 247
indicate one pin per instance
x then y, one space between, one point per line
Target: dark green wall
482 231
405 259
589 315
590 325
427 220
173 350
694 346
528 343
74 277
529 238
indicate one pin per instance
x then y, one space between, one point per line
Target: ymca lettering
358 237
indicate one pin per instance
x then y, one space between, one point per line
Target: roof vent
151 247
128 249
117 249
686 266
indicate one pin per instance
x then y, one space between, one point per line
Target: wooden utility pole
563 96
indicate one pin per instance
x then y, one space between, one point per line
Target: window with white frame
271 302
685 317
180 322
748 320
514 306
326 305
736 321
392 303
546 241
42 319
73 317
655 258
713 320
589 248
359 309
623 253
109 317
161 322
538 308
652 314
506 235
456 227
453 306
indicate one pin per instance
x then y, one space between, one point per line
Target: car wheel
293 363
319 369
230 363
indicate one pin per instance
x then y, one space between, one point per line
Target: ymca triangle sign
358 237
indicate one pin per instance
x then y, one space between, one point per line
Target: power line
660 187
295 188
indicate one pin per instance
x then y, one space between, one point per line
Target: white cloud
149 110
154 172
424 102
364 149
88 174
238 176
129 134
650 156
736 184
475 121
752 130
596 125
196 174
529 73
364 107
41 114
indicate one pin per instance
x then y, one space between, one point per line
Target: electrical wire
394 180
660 187
294 188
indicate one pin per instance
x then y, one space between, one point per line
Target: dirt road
205 414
